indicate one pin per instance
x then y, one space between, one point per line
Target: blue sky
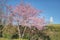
49 8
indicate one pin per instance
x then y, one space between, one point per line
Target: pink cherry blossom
26 15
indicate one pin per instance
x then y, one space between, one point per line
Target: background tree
2 11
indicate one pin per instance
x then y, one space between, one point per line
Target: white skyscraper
51 19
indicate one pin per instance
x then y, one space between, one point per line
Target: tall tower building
51 20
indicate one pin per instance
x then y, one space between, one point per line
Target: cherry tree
25 15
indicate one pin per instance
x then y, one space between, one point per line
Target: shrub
9 31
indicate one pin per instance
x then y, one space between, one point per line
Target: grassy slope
55 31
